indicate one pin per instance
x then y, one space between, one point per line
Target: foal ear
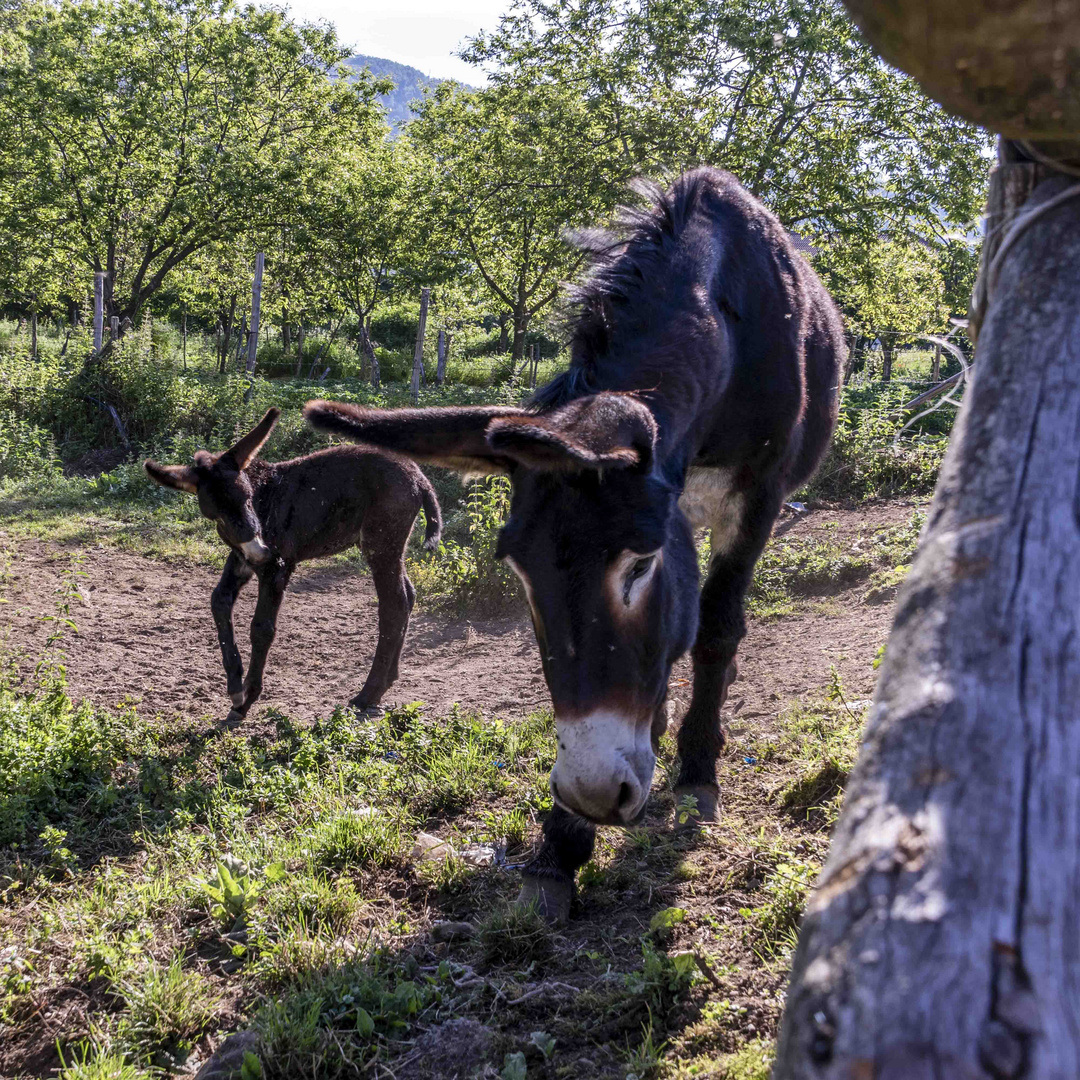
252 442
181 477
602 431
455 438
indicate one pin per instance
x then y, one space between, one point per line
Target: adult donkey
705 361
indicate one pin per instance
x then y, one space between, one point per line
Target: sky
421 33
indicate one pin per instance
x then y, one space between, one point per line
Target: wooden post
256 299
535 365
33 334
443 349
935 371
418 352
99 310
114 328
943 936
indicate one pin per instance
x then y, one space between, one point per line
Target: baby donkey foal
273 516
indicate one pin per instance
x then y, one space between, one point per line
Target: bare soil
145 635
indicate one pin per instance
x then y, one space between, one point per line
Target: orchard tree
889 289
151 129
785 94
513 167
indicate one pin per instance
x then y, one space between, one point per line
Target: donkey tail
432 515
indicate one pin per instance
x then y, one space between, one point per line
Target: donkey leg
273 580
721 627
548 880
236 574
395 594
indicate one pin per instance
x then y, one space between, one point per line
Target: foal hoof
550 896
233 719
707 804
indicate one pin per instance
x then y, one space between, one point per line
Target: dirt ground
145 635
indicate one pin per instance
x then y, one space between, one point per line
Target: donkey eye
637 571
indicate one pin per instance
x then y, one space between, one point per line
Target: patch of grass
512 936
355 839
775 922
167 1006
339 1018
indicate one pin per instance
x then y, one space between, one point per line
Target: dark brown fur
275 515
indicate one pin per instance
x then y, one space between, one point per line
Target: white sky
422 33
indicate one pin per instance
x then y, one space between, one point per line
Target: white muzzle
604 767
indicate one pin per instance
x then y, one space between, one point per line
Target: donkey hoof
550 896
703 811
366 712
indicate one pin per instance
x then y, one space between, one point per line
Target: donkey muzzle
255 551
604 766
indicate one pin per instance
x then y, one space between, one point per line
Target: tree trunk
504 335
935 371
442 350
521 326
886 361
286 338
33 335
256 300
943 937
418 351
183 337
299 350
226 336
99 311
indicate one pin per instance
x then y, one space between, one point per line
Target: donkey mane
625 261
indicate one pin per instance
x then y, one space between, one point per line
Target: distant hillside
409 85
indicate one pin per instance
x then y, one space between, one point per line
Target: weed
643 1060
776 922
357 840
94 1063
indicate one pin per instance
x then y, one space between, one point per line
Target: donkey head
224 489
606 559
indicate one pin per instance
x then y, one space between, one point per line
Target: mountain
409 85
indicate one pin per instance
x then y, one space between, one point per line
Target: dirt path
146 635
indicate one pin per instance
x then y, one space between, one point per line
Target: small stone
443 932
430 848
227 1059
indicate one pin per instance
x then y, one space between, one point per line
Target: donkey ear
252 442
603 431
181 477
452 437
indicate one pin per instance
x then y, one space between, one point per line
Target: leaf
251 1067
544 1042
664 921
364 1024
513 1067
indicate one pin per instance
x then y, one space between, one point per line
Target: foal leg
273 580
395 594
233 578
548 881
721 627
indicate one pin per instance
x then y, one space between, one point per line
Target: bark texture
943 938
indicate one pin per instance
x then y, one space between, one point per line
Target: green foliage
871 456
776 922
234 889
467 576
336 1016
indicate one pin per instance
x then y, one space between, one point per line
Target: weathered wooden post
256 299
418 352
443 349
114 328
99 310
935 371
183 335
943 937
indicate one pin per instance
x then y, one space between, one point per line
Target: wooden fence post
418 352
114 328
935 374
99 310
256 299
941 938
183 336
440 367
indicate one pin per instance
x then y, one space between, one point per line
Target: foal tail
432 515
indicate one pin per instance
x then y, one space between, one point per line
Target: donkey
274 516
703 389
